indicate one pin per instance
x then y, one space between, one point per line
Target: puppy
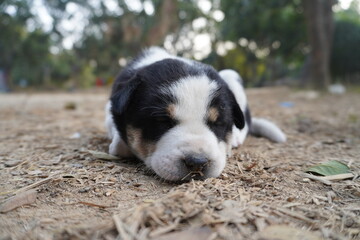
179 116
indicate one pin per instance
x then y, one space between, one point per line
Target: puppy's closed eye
163 121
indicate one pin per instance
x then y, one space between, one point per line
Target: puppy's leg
256 126
234 82
117 147
238 136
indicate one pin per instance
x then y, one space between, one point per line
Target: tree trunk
167 21
319 18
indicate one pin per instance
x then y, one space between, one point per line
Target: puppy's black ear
121 96
238 115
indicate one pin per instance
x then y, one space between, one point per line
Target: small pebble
12 162
290 199
306 180
112 179
77 165
75 135
349 222
17 173
311 215
70 106
109 192
35 172
47 220
84 190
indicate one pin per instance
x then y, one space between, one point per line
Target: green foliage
241 60
274 35
63 65
345 59
265 23
124 36
274 32
13 31
351 14
24 55
32 58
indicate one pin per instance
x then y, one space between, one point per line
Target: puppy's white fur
191 135
264 128
259 126
117 146
184 139
234 82
155 54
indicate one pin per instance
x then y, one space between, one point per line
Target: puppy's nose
195 163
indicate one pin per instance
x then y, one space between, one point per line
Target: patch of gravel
261 193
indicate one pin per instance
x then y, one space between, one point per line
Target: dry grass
262 194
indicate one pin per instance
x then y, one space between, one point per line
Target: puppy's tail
264 128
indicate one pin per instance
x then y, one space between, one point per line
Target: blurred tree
264 40
345 60
32 60
12 32
319 18
276 31
111 36
63 66
272 30
23 54
165 21
277 26
351 14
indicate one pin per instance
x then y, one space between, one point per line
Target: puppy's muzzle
196 166
195 163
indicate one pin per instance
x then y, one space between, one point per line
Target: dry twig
313 177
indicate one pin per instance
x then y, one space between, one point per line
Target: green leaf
329 168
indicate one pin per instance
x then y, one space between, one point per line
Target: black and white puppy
179 116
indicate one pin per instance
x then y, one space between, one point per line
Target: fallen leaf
19 200
102 155
284 232
201 233
329 168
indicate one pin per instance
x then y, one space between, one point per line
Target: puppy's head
177 119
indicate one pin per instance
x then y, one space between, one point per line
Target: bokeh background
76 44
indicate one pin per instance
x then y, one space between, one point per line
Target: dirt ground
262 193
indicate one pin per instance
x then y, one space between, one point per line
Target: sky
73 27
345 3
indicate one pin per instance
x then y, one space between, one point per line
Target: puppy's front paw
119 148
238 137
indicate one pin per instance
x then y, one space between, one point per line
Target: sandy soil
262 193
